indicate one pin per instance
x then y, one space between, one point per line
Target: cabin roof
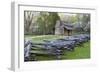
67 26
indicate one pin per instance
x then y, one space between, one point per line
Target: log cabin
62 28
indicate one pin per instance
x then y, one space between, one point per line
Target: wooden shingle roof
67 26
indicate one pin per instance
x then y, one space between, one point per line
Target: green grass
81 52
38 39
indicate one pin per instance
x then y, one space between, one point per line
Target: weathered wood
54 47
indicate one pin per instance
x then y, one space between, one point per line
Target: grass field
38 39
81 52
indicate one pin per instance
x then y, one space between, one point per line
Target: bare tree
28 17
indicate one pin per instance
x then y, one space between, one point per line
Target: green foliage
83 23
43 23
73 19
46 22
